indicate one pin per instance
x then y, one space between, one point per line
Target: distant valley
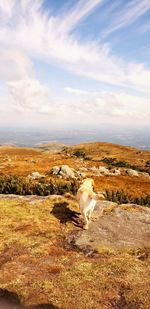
31 138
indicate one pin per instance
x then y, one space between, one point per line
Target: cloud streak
29 33
128 15
47 37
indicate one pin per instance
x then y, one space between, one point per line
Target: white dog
87 200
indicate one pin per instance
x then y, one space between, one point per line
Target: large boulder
67 171
63 171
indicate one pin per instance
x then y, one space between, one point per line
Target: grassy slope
23 161
40 268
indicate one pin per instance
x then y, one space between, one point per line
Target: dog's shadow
62 212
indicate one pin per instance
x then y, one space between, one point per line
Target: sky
74 63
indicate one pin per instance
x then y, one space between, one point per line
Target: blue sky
74 63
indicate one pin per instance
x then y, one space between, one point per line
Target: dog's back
87 200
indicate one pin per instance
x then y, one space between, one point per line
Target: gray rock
80 174
35 175
116 226
146 175
115 172
83 169
132 172
95 171
103 170
63 171
67 171
55 170
83 175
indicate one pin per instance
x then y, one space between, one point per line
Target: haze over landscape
76 65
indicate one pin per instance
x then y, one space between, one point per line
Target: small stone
132 172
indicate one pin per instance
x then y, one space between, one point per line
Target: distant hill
50 147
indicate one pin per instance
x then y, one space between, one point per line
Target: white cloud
6 7
27 32
29 95
76 91
51 39
14 64
32 100
79 12
130 13
111 106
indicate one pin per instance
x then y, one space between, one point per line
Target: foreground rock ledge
113 226
116 226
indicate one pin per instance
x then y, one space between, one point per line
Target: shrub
87 158
25 186
79 153
121 197
108 160
148 163
113 162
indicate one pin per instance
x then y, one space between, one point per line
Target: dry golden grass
23 161
101 150
130 185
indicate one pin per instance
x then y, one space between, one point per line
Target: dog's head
88 182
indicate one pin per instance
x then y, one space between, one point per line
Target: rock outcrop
103 171
116 227
63 171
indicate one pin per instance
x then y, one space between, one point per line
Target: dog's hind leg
90 214
85 217
91 210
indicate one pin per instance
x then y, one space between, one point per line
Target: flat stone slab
117 226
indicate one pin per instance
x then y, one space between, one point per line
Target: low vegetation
79 153
44 186
48 186
121 197
113 162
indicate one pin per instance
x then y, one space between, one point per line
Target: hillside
47 261
24 161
